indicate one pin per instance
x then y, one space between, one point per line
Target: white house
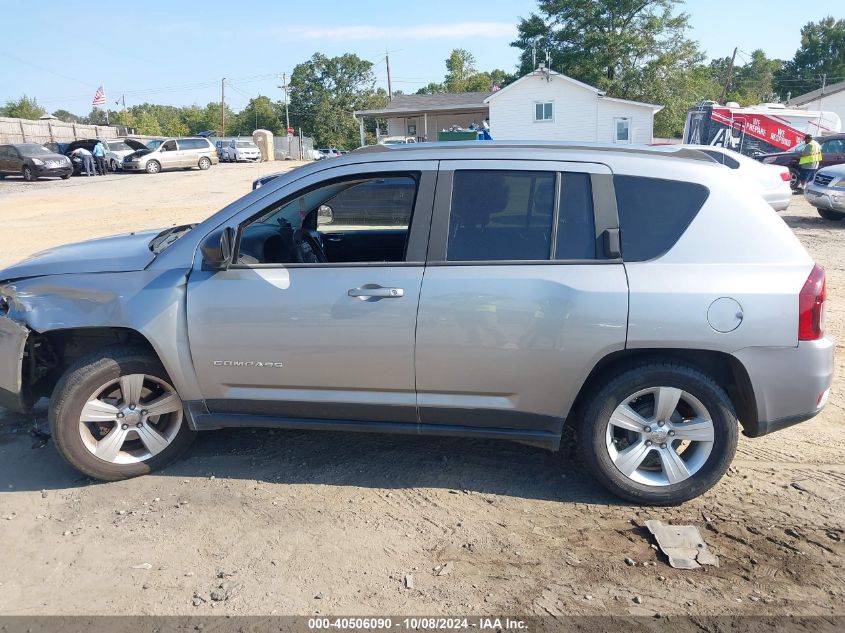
546 105
832 99
543 105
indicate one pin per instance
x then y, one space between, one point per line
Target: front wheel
115 415
113 165
793 179
28 174
830 214
153 167
204 163
659 433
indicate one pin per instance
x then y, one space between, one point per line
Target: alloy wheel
130 419
660 436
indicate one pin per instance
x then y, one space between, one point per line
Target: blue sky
177 52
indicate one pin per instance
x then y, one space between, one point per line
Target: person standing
87 160
809 161
100 157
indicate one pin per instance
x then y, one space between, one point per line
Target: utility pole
728 80
284 88
821 97
223 107
389 83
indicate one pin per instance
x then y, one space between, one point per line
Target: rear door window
501 215
654 213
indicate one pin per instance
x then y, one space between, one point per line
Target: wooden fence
44 131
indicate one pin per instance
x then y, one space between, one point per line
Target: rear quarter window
654 213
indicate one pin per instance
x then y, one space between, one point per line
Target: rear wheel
659 433
829 214
793 179
66 176
115 415
153 167
204 163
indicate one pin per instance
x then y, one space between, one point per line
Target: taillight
811 306
785 176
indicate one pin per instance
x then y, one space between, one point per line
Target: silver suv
496 290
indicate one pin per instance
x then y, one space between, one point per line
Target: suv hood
119 253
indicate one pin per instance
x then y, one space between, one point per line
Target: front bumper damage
13 338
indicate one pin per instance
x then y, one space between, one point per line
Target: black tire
793 179
829 214
204 163
592 431
113 165
153 167
72 392
28 174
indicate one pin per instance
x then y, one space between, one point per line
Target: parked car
826 192
118 149
220 147
833 153
771 181
172 153
238 150
641 296
328 152
32 161
87 143
397 140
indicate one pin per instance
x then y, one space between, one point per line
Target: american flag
99 97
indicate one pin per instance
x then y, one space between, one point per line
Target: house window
622 130
544 111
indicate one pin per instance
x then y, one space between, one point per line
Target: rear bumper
12 345
791 384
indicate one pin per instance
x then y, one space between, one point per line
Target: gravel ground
291 522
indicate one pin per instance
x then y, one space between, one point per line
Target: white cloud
402 32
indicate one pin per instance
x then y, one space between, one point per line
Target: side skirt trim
200 421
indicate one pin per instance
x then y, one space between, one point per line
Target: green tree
460 69
751 83
23 108
325 91
606 43
66 116
623 47
462 76
259 114
822 52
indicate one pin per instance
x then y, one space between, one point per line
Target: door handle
375 292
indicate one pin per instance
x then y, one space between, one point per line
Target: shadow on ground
365 460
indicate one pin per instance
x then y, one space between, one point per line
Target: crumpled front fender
13 336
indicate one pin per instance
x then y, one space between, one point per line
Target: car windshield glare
246 144
31 149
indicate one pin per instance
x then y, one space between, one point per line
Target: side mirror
325 215
218 249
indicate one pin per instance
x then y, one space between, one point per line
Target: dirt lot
258 522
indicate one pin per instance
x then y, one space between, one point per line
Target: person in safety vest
809 161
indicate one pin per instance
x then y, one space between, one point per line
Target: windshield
154 143
119 146
31 149
246 144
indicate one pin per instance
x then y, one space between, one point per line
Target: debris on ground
409 581
446 569
682 544
142 566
